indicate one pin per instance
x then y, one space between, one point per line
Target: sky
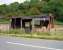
10 1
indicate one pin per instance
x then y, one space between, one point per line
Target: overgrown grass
39 35
58 22
4 21
58 35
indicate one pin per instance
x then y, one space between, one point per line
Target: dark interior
16 23
13 23
26 20
43 23
27 28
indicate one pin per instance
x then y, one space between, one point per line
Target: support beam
21 24
15 23
32 25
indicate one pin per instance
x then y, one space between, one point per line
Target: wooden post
21 24
50 21
15 23
49 25
10 24
32 25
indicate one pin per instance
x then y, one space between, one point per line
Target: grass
4 21
58 35
58 22
38 35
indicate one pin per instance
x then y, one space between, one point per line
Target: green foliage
33 7
4 21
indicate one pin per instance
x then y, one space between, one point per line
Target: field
56 33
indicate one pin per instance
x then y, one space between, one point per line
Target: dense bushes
33 7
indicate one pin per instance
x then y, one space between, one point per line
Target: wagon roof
30 17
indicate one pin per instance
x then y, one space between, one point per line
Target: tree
3 9
33 7
54 7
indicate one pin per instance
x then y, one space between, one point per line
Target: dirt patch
4 27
